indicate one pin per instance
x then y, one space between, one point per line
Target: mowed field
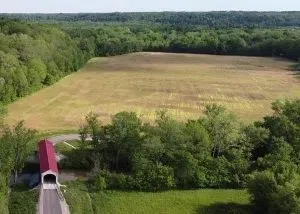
147 82
203 201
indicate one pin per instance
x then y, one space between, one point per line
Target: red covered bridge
51 199
48 164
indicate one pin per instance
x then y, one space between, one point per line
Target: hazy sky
56 6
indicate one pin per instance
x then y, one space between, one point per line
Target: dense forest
34 55
204 19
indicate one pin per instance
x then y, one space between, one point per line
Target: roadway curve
64 137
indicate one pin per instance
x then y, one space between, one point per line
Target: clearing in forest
146 82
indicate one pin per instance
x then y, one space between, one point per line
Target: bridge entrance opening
49 178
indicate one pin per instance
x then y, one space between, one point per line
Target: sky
74 6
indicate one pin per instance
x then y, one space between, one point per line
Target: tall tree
223 127
22 143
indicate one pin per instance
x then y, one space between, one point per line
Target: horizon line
166 11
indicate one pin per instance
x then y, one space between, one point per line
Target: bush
269 197
284 201
261 186
77 159
100 183
115 180
22 200
217 174
154 177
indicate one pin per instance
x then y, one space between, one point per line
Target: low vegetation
22 200
3 203
78 197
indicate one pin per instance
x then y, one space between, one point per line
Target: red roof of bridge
47 156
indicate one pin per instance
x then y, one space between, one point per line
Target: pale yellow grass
146 82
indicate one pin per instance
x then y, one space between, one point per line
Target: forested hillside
32 56
204 19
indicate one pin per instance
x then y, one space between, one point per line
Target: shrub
269 197
154 177
115 180
261 186
100 183
284 201
217 174
77 159
22 200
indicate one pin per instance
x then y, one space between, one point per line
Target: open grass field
146 82
205 201
172 202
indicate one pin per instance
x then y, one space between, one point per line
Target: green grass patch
194 201
206 201
77 197
63 148
23 201
3 204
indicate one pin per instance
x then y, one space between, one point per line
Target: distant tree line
221 19
116 39
34 55
212 151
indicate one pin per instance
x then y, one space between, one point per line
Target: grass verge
78 198
3 204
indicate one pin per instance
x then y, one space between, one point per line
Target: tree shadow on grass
226 208
20 188
296 69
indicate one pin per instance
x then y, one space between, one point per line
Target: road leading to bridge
51 202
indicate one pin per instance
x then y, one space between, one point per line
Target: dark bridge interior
49 178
